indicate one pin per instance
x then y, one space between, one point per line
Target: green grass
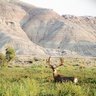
38 81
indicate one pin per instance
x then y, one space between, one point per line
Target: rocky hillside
28 27
11 33
75 35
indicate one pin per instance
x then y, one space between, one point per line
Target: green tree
10 54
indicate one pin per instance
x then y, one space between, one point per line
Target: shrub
36 59
2 60
10 54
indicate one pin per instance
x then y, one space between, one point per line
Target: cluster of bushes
6 58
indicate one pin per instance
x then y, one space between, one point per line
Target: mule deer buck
57 77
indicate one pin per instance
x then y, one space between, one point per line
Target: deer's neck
55 73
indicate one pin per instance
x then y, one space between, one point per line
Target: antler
48 62
61 61
52 66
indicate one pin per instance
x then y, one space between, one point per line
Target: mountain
11 33
34 30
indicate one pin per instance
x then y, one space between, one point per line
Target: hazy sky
72 7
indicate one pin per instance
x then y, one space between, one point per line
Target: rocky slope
75 35
28 27
11 33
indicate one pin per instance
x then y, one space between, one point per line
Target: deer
57 77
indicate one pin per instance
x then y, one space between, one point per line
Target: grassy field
37 80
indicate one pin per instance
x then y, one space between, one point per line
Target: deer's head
54 66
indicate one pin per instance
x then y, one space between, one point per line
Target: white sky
72 7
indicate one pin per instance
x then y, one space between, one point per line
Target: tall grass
38 81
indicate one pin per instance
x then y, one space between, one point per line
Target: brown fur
60 78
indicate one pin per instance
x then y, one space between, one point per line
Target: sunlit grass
38 81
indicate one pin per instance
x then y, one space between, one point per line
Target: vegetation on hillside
2 60
8 57
10 54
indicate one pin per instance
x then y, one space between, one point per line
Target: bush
36 59
2 60
10 54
